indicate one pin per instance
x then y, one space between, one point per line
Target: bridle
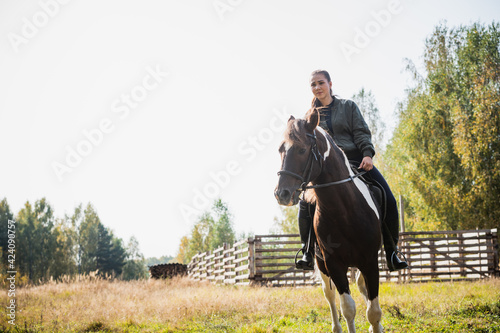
305 178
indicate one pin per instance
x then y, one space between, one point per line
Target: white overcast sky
185 91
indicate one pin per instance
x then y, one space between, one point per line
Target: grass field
182 305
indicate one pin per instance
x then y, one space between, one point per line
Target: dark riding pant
392 215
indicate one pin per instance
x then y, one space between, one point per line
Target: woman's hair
315 102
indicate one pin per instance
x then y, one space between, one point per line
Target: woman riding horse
343 121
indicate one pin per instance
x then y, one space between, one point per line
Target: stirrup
394 258
303 264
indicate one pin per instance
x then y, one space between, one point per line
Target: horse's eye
302 151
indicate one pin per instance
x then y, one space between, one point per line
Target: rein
350 179
309 165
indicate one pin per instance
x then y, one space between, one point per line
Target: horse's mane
293 132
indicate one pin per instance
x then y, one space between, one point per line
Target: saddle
377 192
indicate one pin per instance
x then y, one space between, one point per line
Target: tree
48 247
45 237
117 257
5 216
287 223
369 110
36 240
183 254
135 266
208 233
201 235
223 231
88 236
65 255
26 249
161 260
110 254
98 249
445 153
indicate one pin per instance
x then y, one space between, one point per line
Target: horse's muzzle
286 197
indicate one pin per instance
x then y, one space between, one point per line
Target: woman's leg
305 218
392 222
392 215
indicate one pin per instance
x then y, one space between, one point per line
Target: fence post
224 261
258 261
237 262
492 245
461 254
401 214
251 259
216 265
196 265
495 254
433 257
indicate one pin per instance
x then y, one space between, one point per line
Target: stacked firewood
166 271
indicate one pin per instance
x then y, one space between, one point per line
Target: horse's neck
335 164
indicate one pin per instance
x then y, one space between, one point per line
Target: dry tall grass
92 304
77 305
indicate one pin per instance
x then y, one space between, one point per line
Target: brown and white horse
346 220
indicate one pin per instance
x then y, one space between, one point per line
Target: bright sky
151 109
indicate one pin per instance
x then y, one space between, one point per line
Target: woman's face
320 86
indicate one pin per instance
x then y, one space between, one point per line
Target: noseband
306 177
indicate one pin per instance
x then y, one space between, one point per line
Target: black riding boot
390 235
305 217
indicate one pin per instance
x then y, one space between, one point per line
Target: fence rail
269 259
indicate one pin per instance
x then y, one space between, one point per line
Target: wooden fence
269 259
447 255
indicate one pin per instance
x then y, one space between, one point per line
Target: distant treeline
40 246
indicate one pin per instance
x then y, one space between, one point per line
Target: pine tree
5 216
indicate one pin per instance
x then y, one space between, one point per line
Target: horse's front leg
373 311
329 291
348 311
347 304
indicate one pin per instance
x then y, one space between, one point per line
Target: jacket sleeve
361 133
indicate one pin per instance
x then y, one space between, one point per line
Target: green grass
181 305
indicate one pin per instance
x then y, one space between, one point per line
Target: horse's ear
291 118
312 119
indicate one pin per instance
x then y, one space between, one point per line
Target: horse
346 220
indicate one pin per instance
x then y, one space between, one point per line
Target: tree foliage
444 156
368 107
5 216
288 222
135 267
211 231
47 247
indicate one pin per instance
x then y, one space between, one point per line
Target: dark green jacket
347 128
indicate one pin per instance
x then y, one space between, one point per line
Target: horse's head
300 158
